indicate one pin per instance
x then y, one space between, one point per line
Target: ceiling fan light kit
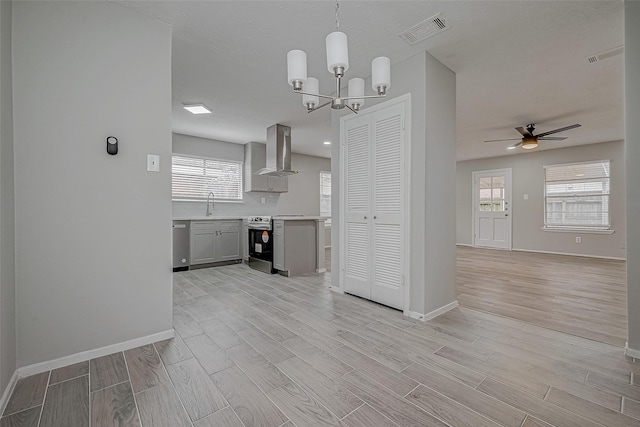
337 64
529 142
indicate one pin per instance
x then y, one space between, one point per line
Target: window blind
577 195
194 177
325 194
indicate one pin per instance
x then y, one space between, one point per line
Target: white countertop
298 218
206 218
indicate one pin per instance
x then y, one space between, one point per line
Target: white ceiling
516 62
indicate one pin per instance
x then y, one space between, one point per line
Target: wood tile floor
581 296
259 350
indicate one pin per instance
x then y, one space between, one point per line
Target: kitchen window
577 196
325 196
194 177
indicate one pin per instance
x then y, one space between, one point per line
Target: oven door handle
265 227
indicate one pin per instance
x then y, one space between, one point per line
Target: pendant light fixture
337 64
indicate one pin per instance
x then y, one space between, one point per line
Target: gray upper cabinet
215 241
255 157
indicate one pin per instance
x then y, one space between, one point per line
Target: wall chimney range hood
278 152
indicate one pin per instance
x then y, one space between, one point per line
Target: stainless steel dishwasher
181 257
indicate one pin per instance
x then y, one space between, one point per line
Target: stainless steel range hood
278 151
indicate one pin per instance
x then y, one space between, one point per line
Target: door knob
375 217
506 214
365 217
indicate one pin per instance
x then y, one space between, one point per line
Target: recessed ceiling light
511 148
327 143
196 108
579 174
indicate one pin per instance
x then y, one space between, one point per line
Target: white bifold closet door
374 200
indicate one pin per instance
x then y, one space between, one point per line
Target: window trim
216 199
327 219
576 229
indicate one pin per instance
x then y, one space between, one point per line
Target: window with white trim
192 178
577 196
325 196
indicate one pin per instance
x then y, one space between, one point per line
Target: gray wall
528 215
7 231
93 242
632 155
432 273
440 186
303 196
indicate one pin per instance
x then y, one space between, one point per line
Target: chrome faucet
210 195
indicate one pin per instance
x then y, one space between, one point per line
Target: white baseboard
321 270
570 254
464 244
37 368
414 314
631 352
438 311
8 391
432 314
336 289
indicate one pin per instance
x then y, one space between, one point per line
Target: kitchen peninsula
298 244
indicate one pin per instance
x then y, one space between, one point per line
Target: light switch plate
153 163
526 197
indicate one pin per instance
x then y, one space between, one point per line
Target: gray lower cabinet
245 240
215 241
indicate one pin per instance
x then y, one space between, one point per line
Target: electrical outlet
526 196
263 200
578 239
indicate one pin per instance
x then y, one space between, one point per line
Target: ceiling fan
530 141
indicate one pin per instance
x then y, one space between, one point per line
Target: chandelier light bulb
312 86
381 74
356 91
337 51
297 68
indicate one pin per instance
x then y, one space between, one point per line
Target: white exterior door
373 188
492 209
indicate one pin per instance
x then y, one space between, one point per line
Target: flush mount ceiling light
196 108
327 143
337 64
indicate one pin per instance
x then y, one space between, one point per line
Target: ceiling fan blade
523 131
552 138
558 130
500 140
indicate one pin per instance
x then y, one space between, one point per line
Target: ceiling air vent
606 54
425 29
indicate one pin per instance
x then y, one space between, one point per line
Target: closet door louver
358 202
374 188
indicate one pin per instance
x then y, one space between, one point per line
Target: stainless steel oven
260 243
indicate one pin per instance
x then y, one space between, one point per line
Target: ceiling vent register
606 54
425 29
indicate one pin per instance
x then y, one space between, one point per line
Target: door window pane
492 194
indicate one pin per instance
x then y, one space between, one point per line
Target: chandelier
337 64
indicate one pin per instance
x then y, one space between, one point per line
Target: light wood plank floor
581 296
258 350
